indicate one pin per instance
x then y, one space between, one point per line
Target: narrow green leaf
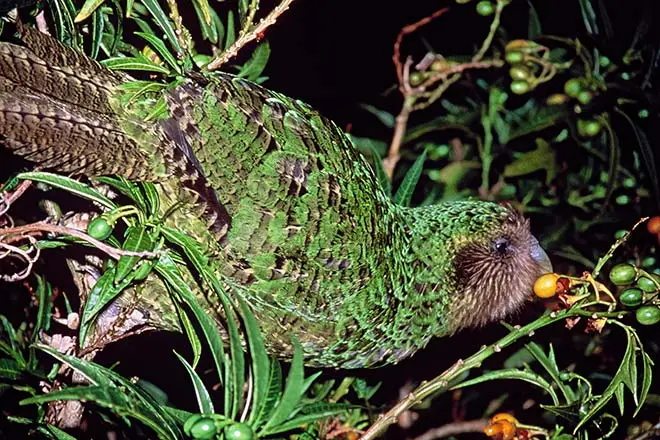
127 188
387 119
272 396
589 17
70 185
10 369
186 322
151 197
231 30
93 373
98 23
549 363
141 63
292 391
204 401
647 380
206 322
611 388
137 240
87 9
102 294
628 377
534 29
243 7
62 13
163 22
310 414
260 360
525 376
205 19
405 192
43 293
205 8
122 396
161 49
54 432
618 393
116 400
257 62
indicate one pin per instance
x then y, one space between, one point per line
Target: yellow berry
545 286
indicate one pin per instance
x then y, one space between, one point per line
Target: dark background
337 54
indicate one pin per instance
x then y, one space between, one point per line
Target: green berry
646 284
622 200
648 315
604 61
631 297
99 228
629 182
584 97
623 274
620 233
573 87
564 376
556 99
439 65
588 128
643 113
648 262
485 8
519 87
239 431
203 429
143 269
519 73
625 76
514 57
416 78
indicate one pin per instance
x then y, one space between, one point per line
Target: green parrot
290 212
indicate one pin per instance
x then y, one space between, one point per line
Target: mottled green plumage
290 212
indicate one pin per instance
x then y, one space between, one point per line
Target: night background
580 199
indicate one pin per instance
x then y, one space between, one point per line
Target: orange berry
503 416
493 430
545 286
653 225
502 430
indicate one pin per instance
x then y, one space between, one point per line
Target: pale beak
539 255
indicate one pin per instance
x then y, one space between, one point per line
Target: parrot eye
501 246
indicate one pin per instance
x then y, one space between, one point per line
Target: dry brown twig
249 35
18 233
24 255
448 75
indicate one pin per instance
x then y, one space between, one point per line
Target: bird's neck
424 268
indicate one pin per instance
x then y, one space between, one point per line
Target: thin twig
254 34
25 255
56 229
442 381
409 29
10 198
491 33
453 429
